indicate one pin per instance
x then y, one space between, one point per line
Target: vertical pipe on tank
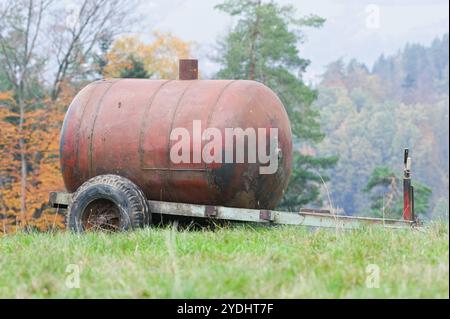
188 69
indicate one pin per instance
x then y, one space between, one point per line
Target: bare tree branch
94 18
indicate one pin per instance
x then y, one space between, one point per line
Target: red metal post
408 199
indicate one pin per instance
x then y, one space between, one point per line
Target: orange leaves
160 57
43 128
8 142
6 96
41 135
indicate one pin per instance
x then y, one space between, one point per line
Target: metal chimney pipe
188 69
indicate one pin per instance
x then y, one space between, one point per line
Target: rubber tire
126 195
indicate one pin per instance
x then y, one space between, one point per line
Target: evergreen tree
387 196
100 59
135 69
263 46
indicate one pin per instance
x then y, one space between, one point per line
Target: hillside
369 116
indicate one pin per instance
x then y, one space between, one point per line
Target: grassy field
238 261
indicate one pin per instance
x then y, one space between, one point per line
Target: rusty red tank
123 127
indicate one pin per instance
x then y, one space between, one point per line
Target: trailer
120 169
305 217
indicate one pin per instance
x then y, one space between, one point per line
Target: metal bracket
210 211
59 199
266 215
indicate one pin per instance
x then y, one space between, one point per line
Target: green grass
230 262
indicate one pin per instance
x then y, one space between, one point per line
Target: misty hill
369 116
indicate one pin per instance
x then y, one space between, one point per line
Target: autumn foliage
159 58
41 136
44 62
42 120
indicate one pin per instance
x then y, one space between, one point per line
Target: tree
159 58
263 46
135 70
20 29
7 132
100 59
40 133
85 27
32 108
387 198
368 117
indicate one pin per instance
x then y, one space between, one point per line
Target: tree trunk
254 36
2 204
23 162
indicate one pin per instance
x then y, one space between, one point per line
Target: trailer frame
305 217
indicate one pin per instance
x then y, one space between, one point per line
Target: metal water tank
123 127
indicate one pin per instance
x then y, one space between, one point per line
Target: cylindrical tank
123 127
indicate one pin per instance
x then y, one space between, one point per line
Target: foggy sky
349 32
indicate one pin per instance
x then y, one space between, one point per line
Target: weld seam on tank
81 121
144 118
217 102
269 119
166 173
208 172
63 130
141 134
97 110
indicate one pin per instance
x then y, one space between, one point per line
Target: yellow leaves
119 56
164 54
160 57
